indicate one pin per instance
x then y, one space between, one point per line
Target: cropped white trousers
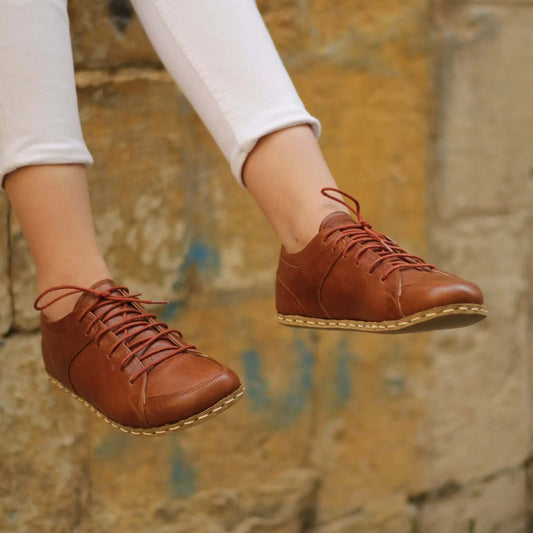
218 51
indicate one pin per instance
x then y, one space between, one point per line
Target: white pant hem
267 125
45 155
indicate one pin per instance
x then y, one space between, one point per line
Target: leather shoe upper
131 367
350 271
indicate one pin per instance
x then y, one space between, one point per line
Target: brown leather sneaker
131 370
351 277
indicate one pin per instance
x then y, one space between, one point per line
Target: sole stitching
397 325
226 402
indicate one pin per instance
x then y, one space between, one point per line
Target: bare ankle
285 174
75 277
306 225
61 308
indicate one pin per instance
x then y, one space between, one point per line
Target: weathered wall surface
427 110
477 435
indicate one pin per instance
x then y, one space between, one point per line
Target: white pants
218 51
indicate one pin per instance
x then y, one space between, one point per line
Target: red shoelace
132 321
361 233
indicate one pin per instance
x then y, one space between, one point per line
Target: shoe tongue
103 284
87 299
337 218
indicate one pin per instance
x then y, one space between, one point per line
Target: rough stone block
476 423
496 505
43 467
480 398
367 416
388 515
487 104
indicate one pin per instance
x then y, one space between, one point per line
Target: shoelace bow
362 233
134 318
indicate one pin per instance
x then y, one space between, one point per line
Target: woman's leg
42 152
97 340
285 173
52 205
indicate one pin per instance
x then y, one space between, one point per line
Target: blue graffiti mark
256 385
112 445
203 256
182 472
343 376
302 384
279 411
393 378
200 257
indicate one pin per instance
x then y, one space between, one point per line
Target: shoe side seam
297 300
321 286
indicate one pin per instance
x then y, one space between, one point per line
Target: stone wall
427 111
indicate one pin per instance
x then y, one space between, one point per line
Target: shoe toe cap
440 290
200 394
